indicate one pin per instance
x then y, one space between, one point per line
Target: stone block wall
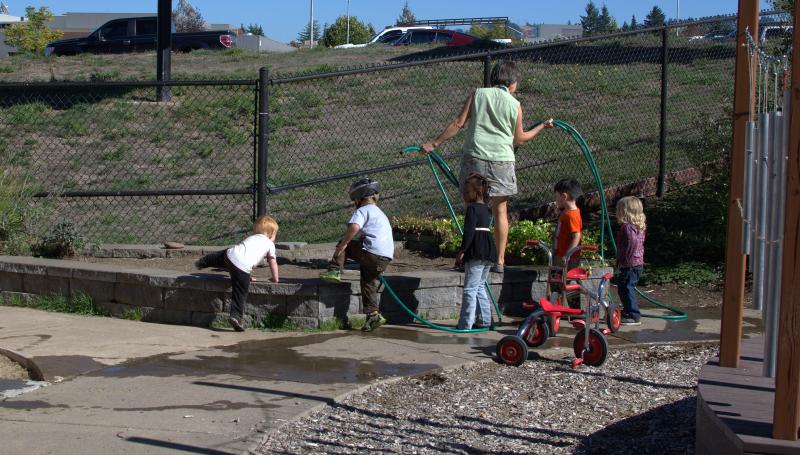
201 298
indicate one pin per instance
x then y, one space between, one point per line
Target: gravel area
641 401
11 370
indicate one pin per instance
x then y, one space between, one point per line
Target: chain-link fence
125 168
610 88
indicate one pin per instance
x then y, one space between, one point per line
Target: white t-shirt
250 251
376 231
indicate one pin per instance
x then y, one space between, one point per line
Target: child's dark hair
504 73
479 183
569 186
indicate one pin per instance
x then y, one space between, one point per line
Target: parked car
136 34
385 36
435 36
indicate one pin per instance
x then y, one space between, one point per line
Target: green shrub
75 304
15 215
64 241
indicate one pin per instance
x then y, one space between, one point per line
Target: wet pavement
131 387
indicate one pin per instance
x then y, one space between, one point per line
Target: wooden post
786 417
733 292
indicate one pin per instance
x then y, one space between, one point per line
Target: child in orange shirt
568 230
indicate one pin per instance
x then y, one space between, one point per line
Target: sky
282 20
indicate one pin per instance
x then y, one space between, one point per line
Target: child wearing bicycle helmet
373 249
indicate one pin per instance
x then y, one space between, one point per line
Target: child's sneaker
331 276
373 322
629 320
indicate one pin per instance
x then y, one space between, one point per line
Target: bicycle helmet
363 187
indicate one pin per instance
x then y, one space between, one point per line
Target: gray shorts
501 176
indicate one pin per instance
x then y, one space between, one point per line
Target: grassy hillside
203 138
202 64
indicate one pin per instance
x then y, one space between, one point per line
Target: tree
614 26
605 21
305 35
406 17
497 30
33 34
187 18
591 21
255 29
336 34
634 24
656 17
625 26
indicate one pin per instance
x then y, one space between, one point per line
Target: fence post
263 141
786 413
487 70
662 145
733 292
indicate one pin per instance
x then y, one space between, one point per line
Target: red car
435 36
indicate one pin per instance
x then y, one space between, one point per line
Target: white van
386 36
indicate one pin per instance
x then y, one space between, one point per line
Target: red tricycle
545 315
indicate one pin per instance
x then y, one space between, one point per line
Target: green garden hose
434 157
423 320
587 154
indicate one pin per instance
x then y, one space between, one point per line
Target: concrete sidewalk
133 387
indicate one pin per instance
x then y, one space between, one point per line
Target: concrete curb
28 364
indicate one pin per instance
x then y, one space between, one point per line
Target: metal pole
164 49
759 276
662 149
769 315
747 209
677 15
263 140
348 21
311 27
487 70
756 200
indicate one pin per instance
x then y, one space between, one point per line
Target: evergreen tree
406 17
305 35
187 18
604 23
625 27
614 26
634 25
255 29
591 21
656 18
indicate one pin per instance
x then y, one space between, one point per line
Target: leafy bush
33 34
444 232
336 33
63 242
15 215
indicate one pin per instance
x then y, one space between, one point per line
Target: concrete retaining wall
201 298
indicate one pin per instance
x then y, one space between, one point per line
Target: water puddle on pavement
313 359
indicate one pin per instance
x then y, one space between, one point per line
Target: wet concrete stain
30 405
219 405
268 359
39 339
66 366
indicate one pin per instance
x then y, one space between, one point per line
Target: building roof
9 19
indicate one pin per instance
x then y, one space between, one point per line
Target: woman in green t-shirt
493 118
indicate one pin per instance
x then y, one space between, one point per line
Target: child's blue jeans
626 287
475 274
